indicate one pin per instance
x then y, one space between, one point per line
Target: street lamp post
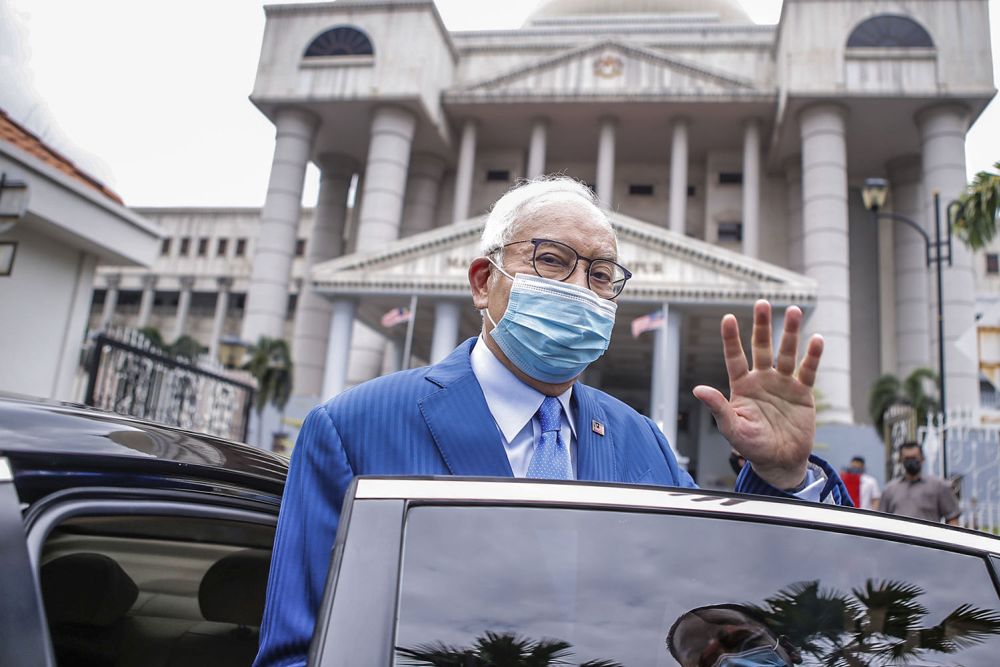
874 194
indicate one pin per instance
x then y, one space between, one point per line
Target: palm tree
888 391
269 361
495 649
976 218
187 347
154 337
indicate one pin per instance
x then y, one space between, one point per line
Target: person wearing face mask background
869 494
918 495
508 402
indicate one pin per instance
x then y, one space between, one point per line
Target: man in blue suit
507 403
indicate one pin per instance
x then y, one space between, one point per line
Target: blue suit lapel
596 454
460 421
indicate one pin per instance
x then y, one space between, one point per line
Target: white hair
527 199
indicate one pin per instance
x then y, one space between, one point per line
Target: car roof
458 490
66 431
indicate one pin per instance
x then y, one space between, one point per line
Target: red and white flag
650 322
396 316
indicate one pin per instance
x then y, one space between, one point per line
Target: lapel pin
597 427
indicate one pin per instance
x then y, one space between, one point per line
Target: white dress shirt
514 405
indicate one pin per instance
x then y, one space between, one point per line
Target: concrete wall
44 308
413 57
813 38
211 224
866 364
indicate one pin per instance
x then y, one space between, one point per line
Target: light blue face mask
758 657
553 330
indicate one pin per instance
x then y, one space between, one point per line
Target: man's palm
770 416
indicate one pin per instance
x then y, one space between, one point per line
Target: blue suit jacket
429 421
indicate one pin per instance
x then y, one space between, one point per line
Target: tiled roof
14 133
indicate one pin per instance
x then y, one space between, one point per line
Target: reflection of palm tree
494 649
879 625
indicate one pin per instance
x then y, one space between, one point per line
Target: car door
22 620
654 579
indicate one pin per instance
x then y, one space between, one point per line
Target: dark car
128 543
134 544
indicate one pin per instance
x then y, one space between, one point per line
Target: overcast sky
151 97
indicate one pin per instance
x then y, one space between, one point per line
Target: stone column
942 131
536 149
313 311
751 188
465 171
911 299
339 348
605 185
110 301
793 183
825 249
267 297
146 303
183 307
679 176
382 200
392 357
447 315
666 374
421 202
385 177
219 322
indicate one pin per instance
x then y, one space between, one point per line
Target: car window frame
21 610
46 516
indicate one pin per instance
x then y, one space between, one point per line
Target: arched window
889 30
340 41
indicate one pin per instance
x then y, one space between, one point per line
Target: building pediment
608 69
666 267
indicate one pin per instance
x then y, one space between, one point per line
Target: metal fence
128 376
973 451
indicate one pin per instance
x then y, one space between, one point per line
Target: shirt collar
511 402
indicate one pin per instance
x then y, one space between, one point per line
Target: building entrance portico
694 283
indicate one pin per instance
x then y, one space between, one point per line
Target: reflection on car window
497 586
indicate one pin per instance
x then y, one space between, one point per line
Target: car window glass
640 589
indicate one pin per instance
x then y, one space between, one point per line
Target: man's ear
479 279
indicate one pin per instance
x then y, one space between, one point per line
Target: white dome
729 11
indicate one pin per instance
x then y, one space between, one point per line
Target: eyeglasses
557 261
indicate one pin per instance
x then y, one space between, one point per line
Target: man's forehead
569 224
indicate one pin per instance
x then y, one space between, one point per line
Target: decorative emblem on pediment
608 66
597 69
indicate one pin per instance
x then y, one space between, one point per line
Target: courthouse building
730 155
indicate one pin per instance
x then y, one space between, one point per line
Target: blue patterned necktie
551 457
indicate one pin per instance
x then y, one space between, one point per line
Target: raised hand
770 417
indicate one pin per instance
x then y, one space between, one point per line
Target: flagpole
408 346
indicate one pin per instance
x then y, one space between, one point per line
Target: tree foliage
918 390
976 218
269 361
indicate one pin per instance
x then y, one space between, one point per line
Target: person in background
918 495
870 494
